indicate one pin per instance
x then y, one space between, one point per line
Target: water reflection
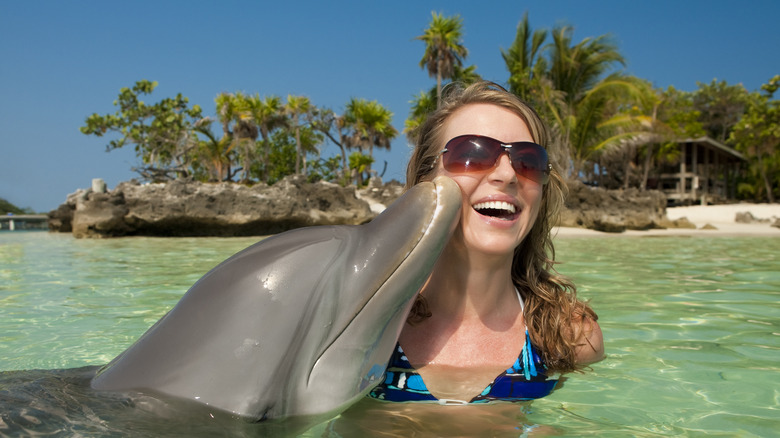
386 419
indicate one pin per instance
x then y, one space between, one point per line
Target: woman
493 305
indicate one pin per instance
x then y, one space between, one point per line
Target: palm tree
238 127
584 107
597 121
371 125
213 153
334 126
425 103
422 105
226 111
444 48
523 59
296 108
576 69
245 134
268 114
360 164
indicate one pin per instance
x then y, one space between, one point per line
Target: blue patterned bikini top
526 379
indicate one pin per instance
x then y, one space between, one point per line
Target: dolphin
299 324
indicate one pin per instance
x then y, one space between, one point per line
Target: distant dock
24 222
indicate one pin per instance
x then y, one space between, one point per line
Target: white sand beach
721 217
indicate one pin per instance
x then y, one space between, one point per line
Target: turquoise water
691 325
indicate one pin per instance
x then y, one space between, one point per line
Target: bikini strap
520 298
529 367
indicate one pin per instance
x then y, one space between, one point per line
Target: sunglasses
477 153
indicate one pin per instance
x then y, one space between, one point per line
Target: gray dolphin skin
301 323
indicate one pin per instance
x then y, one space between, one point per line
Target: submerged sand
710 220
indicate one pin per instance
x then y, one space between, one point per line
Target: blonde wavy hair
552 309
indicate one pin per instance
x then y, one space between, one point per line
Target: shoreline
721 217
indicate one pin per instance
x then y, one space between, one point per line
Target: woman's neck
466 285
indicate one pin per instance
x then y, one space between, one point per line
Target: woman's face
499 207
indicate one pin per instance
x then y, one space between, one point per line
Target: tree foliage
363 125
298 110
360 164
214 156
161 133
268 116
9 208
720 106
249 135
424 103
676 109
757 135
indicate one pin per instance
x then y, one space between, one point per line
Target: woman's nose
503 171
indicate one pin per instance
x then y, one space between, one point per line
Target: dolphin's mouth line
368 301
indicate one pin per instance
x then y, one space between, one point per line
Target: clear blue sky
63 60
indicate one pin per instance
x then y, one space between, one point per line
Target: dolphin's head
302 323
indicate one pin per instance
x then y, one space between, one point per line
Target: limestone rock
613 210
745 217
187 208
682 222
100 215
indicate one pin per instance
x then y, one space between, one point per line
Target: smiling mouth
497 209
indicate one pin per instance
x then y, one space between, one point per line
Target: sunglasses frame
506 147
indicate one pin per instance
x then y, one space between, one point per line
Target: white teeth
495 205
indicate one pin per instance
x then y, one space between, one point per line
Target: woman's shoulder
589 340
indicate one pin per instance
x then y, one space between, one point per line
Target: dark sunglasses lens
529 161
470 154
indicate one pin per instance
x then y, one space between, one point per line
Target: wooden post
695 166
681 182
706 188
719 174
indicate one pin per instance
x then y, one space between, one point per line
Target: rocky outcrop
746 217
186 208
379 195
614 211
61 219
